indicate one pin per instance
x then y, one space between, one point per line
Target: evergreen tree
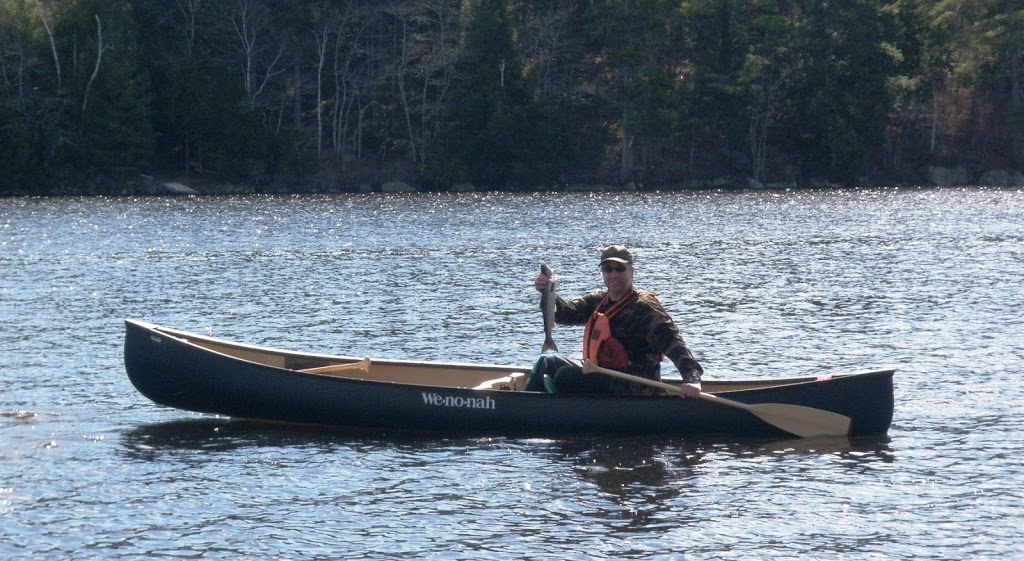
983 42
108 95
27 100
491 131
841 95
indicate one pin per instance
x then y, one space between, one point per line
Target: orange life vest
598 344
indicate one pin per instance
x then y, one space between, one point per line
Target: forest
345 95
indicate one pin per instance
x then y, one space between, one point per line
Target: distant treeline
506 94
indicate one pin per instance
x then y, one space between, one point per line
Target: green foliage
494 135
839 86
107 111
983 42
76 104
506 93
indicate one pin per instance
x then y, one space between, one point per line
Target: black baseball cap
617 253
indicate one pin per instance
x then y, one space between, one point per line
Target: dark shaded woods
336 95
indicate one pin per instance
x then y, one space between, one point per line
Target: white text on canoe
441 400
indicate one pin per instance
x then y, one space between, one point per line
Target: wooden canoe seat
347 369
514 382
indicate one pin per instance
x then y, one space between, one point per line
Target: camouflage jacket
644 329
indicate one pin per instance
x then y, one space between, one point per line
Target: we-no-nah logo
441 400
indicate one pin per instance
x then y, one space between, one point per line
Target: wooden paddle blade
801 421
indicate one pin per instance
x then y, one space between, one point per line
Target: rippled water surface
764 284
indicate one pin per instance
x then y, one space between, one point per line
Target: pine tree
489 111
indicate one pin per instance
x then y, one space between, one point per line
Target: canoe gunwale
321 360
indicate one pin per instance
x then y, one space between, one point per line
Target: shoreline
155 185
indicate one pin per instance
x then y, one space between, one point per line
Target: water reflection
220 434
870 448
638 480
610 462
613 464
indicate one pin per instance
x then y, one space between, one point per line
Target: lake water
763 284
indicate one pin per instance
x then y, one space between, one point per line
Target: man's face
618 277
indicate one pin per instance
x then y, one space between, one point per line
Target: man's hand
541 282
690 391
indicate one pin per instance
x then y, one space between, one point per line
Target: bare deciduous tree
251 23
428 43
550 45
53 44
100 49
189 10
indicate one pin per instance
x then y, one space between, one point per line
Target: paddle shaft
589 367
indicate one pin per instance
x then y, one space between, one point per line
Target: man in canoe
625 329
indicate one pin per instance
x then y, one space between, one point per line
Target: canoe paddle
796 419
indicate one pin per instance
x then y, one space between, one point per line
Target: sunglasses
614 268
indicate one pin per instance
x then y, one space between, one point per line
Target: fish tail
549 345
